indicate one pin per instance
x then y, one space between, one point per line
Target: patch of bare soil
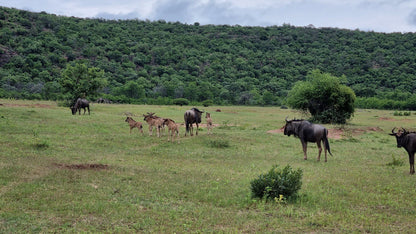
335 133
386 119
82 166
276 130
339 133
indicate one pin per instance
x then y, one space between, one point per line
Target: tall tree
79 80
324 97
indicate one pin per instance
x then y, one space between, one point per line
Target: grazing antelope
209 122
134 124
172 128
153 121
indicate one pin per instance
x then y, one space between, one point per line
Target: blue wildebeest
80 103
192 116
407 140
308 132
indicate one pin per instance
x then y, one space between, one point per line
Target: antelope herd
302 129
155 122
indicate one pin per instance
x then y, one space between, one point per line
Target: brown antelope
172 128
153 121
134 124
209 122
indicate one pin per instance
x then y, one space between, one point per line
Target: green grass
199 184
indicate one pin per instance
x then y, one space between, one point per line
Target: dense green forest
156 62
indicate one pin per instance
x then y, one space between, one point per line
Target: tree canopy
163 61
324 97
80 81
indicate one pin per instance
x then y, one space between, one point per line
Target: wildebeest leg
412 163
304 146
318 143
150 130
88 110
197 129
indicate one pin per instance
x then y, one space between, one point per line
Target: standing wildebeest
134 124
192 116
407 140
153 121
80 103
209 122
308 132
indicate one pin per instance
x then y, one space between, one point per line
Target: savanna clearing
86 173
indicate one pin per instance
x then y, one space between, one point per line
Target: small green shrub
207 103
41 145
277 182
181 101
225 125
221 143
404 113
395 162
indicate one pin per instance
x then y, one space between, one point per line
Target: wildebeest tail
326 142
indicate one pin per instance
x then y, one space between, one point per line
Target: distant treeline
156 62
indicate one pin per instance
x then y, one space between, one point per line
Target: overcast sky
366 15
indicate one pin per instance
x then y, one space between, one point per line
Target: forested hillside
156 62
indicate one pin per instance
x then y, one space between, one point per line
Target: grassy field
65 173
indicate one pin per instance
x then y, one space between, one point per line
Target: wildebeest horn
286 119
392 131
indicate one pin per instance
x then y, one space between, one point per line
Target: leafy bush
221 143
181 101
207 103
277 182
399 113
395 162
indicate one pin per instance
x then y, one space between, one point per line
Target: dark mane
196 109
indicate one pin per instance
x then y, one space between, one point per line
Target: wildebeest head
74 110
400 136
149 115
291 127
197 114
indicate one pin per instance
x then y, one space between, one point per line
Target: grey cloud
190 11
174 11
412 18
130 15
